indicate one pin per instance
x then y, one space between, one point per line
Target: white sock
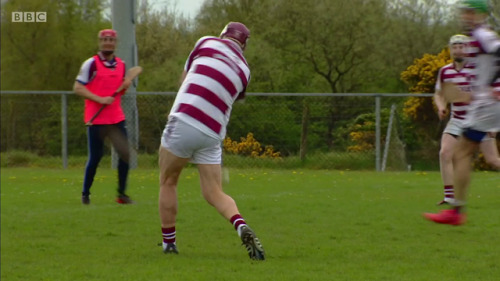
457 203
239 229
164 245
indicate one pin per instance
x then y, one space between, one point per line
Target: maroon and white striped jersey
217 75
480 54
450 74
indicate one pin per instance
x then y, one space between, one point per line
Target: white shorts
454 127
186 141
485 117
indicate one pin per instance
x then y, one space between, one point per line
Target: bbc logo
29 16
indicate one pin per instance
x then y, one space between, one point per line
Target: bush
17 159
249 146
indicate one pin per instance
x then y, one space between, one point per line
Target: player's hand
126 84
107 100
442 113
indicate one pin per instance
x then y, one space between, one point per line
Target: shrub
249 146
17 159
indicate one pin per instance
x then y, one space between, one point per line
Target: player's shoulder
446 67
207 38
483 31
468 66
88 62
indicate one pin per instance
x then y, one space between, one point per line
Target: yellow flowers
421 77
249 146
363 136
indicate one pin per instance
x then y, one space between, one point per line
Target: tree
45 56
48 54
421 78
333 47
164 40
495 14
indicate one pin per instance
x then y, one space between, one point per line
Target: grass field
314 225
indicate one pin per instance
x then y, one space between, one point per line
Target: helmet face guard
107 41
237 31
457 51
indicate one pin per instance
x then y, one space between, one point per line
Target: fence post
388 137
377 133
64 130
305 125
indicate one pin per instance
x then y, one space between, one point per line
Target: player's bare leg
211 188
446 165
462 161
170 169
489 148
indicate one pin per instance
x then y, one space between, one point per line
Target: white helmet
458 39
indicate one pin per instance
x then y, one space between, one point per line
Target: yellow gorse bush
363 136
421 78
249 146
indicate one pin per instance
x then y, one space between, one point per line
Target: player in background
458 73
483 118
99 77
216 74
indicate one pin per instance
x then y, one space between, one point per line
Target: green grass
332 160
314 225
317 160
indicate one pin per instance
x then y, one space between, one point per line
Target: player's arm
188 64
86 74
81 90
439 99
441 104
241 96
490 42
183 77
497 74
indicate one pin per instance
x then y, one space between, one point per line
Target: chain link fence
323 131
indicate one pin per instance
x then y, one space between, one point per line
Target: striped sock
168 235
448 191
237 221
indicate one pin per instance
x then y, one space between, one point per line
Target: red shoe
447 217
124 199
